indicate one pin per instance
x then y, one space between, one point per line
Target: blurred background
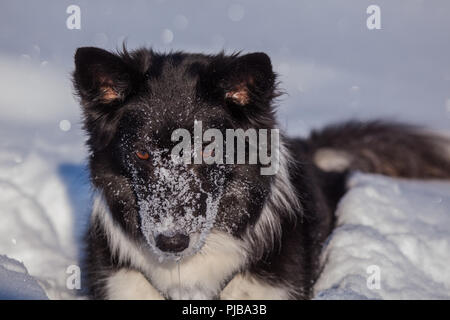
330 65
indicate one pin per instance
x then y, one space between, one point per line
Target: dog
166 230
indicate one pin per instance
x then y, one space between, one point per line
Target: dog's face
133 103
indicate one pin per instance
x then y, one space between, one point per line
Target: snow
330 65
16 283
158 206
44 208
401 227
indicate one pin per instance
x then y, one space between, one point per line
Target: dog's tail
392 149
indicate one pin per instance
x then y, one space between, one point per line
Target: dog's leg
127 284
246 287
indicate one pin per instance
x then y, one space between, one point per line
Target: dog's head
133 103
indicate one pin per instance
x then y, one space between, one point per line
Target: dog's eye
143 155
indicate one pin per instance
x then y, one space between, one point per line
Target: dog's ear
103 80
249 79
101 77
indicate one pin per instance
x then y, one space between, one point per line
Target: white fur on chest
200 276
246 287
128 284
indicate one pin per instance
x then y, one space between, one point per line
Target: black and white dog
165 230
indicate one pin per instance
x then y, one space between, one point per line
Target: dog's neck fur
205 274
282 204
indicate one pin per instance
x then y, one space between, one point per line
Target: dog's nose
175 243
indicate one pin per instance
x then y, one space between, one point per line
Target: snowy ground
332 68
16 283
44 202
397 227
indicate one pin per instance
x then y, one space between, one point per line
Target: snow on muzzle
176 212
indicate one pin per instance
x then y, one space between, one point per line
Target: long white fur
282 200
127 284
246 287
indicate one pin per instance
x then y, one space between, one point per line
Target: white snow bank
16 283
44 202
402 228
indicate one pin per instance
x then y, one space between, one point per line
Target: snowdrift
16 283
400 228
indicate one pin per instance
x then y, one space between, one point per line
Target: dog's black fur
133 101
